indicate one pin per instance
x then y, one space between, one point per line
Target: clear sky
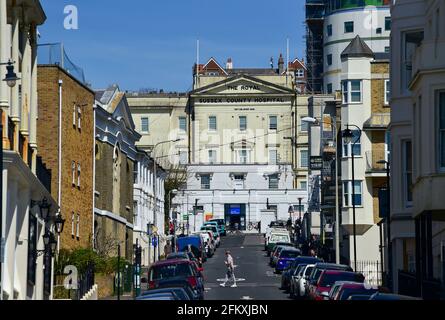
152 43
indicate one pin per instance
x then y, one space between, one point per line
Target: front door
235 215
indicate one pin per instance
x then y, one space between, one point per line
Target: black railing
372 271
85 282
409 285
11 133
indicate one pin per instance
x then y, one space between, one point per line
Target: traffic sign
154 241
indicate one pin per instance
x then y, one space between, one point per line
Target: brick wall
378 88
77 145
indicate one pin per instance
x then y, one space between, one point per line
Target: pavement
255 279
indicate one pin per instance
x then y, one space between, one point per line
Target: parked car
215 232
316 272
274 255
348 289
320 291
178 255
391 296
208 245
180 292
285 258
179 283
275 237
295 274
273 228
159 296
359 297
168 270
221 226
299 283
290 270
335 287
194 243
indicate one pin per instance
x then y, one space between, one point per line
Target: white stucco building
26 273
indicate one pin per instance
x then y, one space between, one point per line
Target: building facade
66 139
365 110
418 161
115 158
26 273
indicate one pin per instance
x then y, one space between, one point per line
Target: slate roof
357 48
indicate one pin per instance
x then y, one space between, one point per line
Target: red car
320 291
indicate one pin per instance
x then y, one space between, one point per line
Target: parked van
277 236
196 245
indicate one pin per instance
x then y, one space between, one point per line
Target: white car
207 241
303 279
294 288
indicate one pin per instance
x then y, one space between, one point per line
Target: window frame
74 115
387 91
79 171
78 226
329 30
214 156
79 118
305 151
182 130
440 94
329 59
348 146
242 127
348 201
205 186
73 172
347 91
208 123
142 125
270 122
274 178
349 23
181 153
388 23
274 159
72 224
407 194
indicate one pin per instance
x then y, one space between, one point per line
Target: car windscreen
279 237
170 271
289 254
350 291
329 279
299 269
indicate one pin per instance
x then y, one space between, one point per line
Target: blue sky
152 43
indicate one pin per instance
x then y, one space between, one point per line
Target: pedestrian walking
230 273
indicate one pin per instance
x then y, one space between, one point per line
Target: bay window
352 91
348 147
348 198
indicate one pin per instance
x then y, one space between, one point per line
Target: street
255 279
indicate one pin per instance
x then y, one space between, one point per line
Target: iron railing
372 270
85 282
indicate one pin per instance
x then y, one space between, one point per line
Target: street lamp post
348 135
388 221
10 79
337 212
174 192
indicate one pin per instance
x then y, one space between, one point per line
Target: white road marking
246 298
236 279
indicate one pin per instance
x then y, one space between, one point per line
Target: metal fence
85 282
372 270
54 54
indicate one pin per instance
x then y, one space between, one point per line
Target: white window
304 163
78 175
299 73
303 185
273 181
182 158
79 118
212 123
347 147
387 91
347 193
78 226
205 181
273 123
72 224
243 123
352 91
74 115
73 172
273 156
411 40
182 124
407 159
304 126
441 114
144 125
212 156
243 156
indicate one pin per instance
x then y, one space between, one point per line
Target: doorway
235 216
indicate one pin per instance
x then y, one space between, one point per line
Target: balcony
373 168
378 121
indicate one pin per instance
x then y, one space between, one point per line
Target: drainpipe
94 171
59 193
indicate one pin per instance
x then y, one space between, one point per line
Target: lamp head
347 135
309 120
10 78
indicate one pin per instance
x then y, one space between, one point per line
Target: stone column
26 80
33 111
5 40
10 237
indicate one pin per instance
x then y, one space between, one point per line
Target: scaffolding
315 11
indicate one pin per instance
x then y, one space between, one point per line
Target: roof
357 48
170 261
253 71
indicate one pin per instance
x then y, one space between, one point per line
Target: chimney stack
229 64
280 64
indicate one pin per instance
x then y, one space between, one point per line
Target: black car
180 292
391 296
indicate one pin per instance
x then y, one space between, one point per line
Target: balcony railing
372 159
378 121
